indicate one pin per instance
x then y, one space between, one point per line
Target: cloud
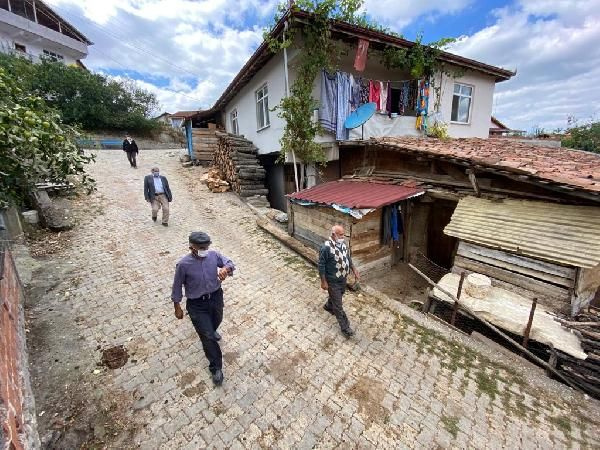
553 45
397 14
197 46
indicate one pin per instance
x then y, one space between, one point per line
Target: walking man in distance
131 148
158 193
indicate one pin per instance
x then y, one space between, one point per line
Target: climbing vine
322 52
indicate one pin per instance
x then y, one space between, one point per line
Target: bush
585 137
35 145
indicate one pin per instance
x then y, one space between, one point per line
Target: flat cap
199 237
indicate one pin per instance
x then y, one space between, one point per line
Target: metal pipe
287 94
529 323
501 333
455 310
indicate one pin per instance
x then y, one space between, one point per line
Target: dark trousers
334 303
206 314
131 158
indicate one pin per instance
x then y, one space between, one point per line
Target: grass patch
487 384
451 425
563 423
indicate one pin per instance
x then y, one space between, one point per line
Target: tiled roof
356 194
567 168
185 114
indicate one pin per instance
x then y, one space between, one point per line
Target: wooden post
529 322
473 180
455 310
553 361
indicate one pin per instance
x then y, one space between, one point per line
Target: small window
262 108
53 56
235 129
20 48
461 103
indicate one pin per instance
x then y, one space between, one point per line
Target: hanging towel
375 93
355 86
383 96
328 107
404 97
394 223
360 61
343 104
364 91
388 103
386 221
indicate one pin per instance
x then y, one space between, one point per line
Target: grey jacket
149 193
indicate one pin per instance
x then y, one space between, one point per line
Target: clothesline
341 93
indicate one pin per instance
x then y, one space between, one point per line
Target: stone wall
168 139
18 427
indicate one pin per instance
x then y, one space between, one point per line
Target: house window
262 108
235 129
20 48
461 103
53 56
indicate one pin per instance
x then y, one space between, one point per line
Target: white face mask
202 253
339 241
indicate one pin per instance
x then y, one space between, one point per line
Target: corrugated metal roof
356 194
564 234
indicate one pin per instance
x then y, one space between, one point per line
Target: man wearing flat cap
201 273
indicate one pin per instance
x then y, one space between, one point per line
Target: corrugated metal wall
565 234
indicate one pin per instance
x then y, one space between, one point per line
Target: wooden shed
362 208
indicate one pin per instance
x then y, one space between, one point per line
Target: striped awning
564 234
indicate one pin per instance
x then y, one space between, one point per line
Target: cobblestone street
291 379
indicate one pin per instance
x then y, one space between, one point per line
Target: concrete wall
161 141
18 428
36 38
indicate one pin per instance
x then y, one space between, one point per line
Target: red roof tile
356 194
574 168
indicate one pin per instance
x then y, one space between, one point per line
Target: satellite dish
360 116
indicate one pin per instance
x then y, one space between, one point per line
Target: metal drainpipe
287 94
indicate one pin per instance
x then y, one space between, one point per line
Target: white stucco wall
267 139
481 104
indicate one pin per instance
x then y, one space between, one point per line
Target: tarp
510 311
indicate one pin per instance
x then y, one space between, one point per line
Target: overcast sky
186 52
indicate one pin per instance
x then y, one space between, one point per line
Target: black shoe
349 332
154 219
217 336
328 309
217 377
165 224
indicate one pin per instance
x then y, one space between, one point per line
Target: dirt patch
369 393
194 391
115 357
186 379
284 368
231 357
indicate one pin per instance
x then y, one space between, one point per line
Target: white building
31 28
462 101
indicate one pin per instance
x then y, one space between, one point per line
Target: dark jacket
335 262
127 147
149 188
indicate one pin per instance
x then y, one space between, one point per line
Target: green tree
35 145
584 137
90 100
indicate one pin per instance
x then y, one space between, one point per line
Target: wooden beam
473 180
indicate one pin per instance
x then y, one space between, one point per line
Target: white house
33 29
462 101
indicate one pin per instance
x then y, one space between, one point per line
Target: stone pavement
291 379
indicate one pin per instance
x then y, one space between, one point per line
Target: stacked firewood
237 159
205 144
215 180
584 373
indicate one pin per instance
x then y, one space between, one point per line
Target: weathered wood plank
524 261
516 268
512 278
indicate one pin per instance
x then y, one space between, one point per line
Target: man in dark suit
158 194
131 148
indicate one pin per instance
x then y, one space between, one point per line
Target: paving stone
291 379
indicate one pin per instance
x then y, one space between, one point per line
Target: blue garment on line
394 223
328 106
344 92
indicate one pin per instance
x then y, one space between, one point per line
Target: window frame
235 125
461 95
260 105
